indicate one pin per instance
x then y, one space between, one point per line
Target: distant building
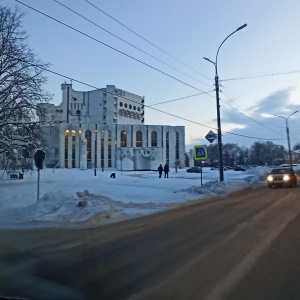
105 128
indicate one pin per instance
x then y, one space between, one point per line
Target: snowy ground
76 197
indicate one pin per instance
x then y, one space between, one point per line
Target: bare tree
266 153
21 82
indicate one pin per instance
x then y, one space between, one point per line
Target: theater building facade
106 128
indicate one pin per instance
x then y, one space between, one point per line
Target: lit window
123 138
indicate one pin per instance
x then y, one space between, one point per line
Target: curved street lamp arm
280 116
292 113
241 27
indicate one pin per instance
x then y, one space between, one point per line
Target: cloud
276 103
258 121
234 117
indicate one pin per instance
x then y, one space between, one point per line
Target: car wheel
269 186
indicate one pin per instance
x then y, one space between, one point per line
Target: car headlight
270 178
286 177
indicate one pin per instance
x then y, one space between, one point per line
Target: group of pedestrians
165 169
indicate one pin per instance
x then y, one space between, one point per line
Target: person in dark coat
166 170
160 170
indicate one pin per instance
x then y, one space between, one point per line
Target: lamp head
209 60
241 27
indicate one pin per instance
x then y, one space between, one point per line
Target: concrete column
98 147
61 143
172 143
70 148
128 135
143 129
106 148
113 147
83 156
93 146
134 130
77 149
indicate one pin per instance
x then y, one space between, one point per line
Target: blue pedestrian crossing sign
200 152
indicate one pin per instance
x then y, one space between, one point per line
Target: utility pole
288 135
218 104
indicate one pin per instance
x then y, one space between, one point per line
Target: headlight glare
270 178
286 177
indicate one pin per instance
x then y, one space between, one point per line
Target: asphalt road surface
244 246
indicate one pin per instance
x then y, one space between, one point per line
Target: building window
153 139
88 136
123 138
73 147
66 147
139 139
177 146
167 148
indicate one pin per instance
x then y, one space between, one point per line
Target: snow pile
119 204
216 188
73 196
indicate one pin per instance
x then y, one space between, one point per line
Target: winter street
234 247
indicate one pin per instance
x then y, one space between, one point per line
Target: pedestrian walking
160 170
166 170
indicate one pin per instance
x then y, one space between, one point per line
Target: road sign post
200 153
39 157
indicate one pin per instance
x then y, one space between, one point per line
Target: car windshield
281 171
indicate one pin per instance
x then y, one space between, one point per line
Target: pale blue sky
188 30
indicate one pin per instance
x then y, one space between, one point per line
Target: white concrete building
105 129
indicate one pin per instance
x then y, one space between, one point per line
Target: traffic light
39 157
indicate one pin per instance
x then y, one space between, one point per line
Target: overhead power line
103 89
202 92
257 76
250 118
251 137
102 11
119 51
177 99
126 42
125 98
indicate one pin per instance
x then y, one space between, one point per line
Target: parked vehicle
282 177
194 170
239 168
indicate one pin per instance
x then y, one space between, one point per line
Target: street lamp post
218 104
95 149
288 134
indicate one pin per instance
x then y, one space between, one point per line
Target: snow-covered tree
21 86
